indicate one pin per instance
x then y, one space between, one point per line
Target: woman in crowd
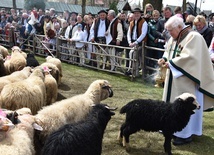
202 27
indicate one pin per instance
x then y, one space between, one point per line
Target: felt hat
102 11
137 10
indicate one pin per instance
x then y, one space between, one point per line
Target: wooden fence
100 56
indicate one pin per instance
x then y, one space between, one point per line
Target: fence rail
100 55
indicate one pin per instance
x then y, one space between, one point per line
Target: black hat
137 10
102 11
74 13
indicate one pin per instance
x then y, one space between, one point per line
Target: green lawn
77 79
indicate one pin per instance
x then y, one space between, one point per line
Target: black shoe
182 141
127 73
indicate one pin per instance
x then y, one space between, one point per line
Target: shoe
127 73
182 141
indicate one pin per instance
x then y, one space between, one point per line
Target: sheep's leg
120 134
126 133
167 143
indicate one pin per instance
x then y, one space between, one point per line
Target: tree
113 6
14 4
30 4
83 7
157 4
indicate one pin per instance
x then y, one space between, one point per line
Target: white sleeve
67 32
129 39
144 32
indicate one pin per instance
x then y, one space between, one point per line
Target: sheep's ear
37 127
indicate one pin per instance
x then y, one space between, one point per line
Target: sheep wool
29 93
51 87
19 141
58 64
4 51
73 109
154 115
82 138
15 77
17 61
53 70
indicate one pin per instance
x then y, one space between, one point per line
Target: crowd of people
107 27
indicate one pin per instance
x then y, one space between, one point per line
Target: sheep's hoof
128 149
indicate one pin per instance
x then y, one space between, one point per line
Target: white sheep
19 141
4 51
53 70
29 93
58 64
15 77
16 62
51 87
73 109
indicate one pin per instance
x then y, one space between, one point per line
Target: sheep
17 61
51 87
2 67
154 115
72 109
4 51
54 70
31 60
82 138
15 77
19 140
29 93
58 64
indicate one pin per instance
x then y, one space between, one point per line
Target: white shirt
79 36
144 30
101 29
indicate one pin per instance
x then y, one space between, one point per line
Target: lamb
58 64
15 77
31 60
4 51
53 70
154 115
29 93
82 138
72 109
19 140
51 87
17 61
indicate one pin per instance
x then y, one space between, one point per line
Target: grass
77 79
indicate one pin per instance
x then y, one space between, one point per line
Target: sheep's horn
113 109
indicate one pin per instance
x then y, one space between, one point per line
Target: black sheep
31 60
2 67
82 138
155 115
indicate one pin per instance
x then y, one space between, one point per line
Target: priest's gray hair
174 22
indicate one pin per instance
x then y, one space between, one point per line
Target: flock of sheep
33 122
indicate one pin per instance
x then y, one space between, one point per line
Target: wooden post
143 65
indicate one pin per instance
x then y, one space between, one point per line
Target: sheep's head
100 90
189 100
16 48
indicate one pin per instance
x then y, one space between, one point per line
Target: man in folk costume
189 69
137 33
116 31
100 26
